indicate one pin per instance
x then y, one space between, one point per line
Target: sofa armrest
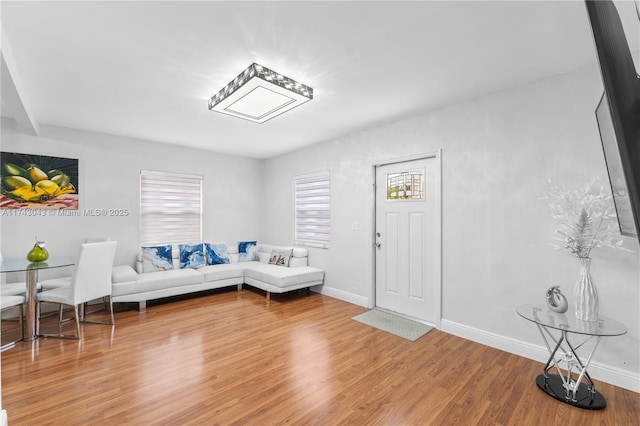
123 273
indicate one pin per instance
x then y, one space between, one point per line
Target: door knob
378 245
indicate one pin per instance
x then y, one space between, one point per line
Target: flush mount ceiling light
259 94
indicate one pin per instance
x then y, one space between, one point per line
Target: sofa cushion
283 277
157 258
191 255
221 272
280 257
263 257
217 254
247 251
166 279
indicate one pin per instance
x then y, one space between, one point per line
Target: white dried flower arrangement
587 217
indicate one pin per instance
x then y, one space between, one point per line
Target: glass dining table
31 285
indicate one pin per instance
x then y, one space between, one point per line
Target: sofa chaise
129 285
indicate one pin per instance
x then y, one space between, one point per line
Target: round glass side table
571 385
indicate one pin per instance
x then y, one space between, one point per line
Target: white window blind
313 210
170 208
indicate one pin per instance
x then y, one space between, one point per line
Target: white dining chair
65 281
14 289
13 301
90 280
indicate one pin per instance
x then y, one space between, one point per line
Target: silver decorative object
556 300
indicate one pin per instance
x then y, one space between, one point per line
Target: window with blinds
170 208
313 210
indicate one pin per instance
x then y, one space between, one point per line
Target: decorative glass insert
405 185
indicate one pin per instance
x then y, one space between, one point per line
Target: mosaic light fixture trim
266 74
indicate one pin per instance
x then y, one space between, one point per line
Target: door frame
437 157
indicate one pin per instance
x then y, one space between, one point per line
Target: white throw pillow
280 257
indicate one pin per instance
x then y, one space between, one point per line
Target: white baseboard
342 295
606 373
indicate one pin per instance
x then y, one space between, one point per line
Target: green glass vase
38 253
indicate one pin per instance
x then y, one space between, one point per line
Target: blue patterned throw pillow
247 251
191 255
217 254
157 258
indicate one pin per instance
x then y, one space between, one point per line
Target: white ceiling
147 69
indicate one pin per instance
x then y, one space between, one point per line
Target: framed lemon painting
38 182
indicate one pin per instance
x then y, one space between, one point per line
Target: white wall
109 169
497 153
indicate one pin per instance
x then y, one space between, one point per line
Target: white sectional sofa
129 285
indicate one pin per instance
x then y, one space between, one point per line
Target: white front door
408 238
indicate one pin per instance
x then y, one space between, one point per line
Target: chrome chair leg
37 319
113 322
21 320
75 308
11 344
60 336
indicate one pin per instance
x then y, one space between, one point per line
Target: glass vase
585 295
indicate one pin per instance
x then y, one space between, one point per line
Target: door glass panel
405 185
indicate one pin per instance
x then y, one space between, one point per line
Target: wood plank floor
234 358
